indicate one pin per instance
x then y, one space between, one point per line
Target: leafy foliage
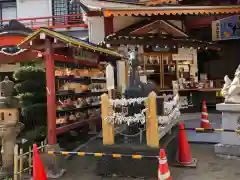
31 89
29 86
30 73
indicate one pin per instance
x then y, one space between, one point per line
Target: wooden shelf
63 60
194 89
82 79
74 79
79 109
209 89
82 94
69 127
150 65
173 73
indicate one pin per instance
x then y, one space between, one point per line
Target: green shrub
31 90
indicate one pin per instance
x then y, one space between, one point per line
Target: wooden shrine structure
53 46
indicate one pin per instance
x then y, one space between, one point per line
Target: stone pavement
209 167
193 120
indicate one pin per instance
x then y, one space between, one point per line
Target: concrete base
128 167
5 173
230 141
229 150
53 163
228 107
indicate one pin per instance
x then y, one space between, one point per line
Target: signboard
81 54
226 28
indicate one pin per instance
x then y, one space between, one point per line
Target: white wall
9 13
96 29
33 8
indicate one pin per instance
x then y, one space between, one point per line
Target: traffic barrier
184 155
99 154
210 130
163 171
23 160
38 168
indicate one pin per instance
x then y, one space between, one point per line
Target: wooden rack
68 96
165 69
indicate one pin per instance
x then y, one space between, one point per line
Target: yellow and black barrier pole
210 130
97 154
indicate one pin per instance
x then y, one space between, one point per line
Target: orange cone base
193 164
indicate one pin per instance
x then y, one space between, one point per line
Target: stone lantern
9 125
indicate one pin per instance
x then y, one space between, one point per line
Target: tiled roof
125 36
171 10
73 41
96 5
132 29
124 9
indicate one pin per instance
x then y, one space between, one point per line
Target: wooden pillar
151 121
107 128
51 96
108 25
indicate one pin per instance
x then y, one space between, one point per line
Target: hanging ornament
126 102
119 118
12 51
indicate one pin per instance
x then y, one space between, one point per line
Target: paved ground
193 120
209 167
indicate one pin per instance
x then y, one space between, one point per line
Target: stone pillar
230 141
8 135
8 143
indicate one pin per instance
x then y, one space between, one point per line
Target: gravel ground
209 167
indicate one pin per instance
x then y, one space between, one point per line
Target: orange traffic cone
163 171
204 121
38 169
184 155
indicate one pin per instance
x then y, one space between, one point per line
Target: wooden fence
151 121
23 161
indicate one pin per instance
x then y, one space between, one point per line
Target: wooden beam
107 128
161 42
158 2
108 25
151 121
147 28
51 94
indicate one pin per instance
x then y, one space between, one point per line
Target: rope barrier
97 154
211 130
